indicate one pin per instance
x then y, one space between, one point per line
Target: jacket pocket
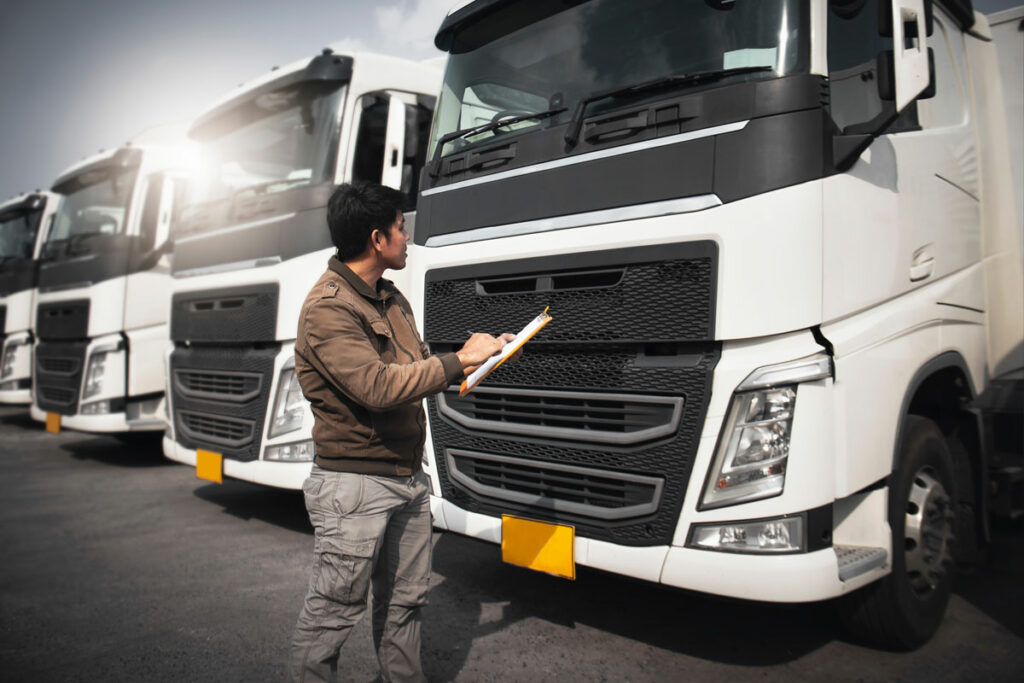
384 340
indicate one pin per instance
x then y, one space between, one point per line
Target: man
364 371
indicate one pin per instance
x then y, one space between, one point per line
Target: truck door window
151 212
853 47
369 158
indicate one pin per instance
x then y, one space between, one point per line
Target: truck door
907 213
147 303
391 141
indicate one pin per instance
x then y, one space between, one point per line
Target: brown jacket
364 370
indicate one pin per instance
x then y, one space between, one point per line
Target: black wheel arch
942 390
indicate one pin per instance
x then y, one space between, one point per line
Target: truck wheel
903 610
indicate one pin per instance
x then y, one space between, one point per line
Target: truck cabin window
524 59
96 203
18 235
274 142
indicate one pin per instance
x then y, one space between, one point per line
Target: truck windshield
510 63
18 235
278 140
97 205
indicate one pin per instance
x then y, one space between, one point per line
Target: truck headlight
10 353
300 451
94 374
289 404
750 459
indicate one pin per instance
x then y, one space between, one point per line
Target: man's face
394 249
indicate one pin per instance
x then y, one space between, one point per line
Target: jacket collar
385 288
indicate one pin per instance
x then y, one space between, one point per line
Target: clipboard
492 363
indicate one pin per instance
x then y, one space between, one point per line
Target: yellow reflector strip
53 423
539 546
210 466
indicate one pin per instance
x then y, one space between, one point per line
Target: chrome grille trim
548 410
569 481
234 387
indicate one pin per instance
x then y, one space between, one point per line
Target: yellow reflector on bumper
539 546
210 466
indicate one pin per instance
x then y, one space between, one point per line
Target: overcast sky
77 76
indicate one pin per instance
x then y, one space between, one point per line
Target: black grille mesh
219 430
63 366
218 385
58 375
650 302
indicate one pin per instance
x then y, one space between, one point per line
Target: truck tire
903 610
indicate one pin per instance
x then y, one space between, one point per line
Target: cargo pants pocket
345 569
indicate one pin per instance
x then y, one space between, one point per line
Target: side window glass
417 135
151 212
853 47
368 160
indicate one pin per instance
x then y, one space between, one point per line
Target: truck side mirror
886 77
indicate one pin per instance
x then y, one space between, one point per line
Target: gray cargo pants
368 529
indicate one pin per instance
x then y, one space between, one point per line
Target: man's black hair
355 210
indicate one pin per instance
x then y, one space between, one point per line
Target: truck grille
237 387
578 490
219 430
59 366
219 395
573 415
598 424
58 375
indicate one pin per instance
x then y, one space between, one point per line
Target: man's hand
477 349
505 339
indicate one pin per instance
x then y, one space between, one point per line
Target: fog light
299 451
763 536
96 408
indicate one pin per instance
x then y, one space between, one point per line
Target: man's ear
376 239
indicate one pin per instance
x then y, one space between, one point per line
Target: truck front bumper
284 475
802 577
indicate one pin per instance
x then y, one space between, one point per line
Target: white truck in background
100 327
23 223
254 239
779 244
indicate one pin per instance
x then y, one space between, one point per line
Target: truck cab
778 242
100 327
23 223
254 239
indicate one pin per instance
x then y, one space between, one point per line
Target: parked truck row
780 240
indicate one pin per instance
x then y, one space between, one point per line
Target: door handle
921 267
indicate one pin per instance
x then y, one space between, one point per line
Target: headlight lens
750 460
10 352
289 405
94 374
781 535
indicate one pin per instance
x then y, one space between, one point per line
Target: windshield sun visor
123 160
324 72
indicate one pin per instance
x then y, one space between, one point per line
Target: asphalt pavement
118 565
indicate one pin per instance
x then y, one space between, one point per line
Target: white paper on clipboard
525 334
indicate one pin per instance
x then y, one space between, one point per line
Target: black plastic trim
961 10
63 319
3 322
206 236
326 70
247 313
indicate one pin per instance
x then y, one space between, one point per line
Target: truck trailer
254 239
100 327
23 223
778 242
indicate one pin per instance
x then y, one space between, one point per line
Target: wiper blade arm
572 133
435 163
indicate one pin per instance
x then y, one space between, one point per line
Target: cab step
855 560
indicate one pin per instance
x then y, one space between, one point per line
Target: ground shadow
280 507
994 586
129 450
19 417
687 623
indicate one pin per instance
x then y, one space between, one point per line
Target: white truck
778 242
23 223
254 239
100 327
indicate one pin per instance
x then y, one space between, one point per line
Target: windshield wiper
435 163
261 188
572 133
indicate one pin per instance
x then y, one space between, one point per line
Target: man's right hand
477 349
